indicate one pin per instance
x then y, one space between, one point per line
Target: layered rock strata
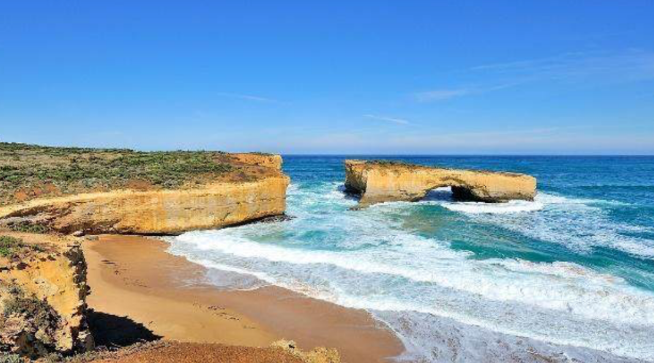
251 187
59 191
156 212
377 182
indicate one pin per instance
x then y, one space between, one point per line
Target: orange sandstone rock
378 182
157 211
43 297
254 189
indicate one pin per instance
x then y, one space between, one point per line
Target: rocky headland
93 191
381 181
50 197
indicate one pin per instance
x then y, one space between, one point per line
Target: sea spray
559 274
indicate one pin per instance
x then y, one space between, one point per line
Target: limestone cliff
122 191
42 295
378 182
156 212
76 191
264 160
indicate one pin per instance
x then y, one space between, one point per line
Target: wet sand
134 277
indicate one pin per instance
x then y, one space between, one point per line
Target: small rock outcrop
317 355
379 181
42 296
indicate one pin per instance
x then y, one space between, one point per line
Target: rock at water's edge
378 182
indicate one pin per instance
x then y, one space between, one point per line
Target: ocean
567 276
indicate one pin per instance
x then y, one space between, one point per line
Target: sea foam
416 283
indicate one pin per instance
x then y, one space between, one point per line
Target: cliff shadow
112 331
349 193
440 194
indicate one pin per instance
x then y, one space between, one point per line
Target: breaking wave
419 284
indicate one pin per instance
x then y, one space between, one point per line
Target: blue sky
392 77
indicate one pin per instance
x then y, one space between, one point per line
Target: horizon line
340 153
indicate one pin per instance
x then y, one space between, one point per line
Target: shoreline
134 277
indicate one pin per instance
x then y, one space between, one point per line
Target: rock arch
379 181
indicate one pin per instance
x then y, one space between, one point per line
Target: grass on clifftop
28 171
9 245
389 163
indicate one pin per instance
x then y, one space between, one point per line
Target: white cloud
583 68
546 140
249 97
630 65
399 121
441 94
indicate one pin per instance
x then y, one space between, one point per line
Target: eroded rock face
378 182
158 211
256 191
80 191
264 160
43 297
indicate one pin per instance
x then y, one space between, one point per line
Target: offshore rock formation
378 182
42 295
185 191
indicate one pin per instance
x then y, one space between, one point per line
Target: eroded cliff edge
49 193
95 191
379 181
42 295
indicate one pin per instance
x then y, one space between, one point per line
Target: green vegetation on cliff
10 246
29 171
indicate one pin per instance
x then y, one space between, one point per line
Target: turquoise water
569 275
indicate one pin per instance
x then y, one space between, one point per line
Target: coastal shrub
29 171
29 227
9 245
388 162
10 358
54 358
38 312
37 309
39 320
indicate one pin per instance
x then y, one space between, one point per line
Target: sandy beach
136 285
